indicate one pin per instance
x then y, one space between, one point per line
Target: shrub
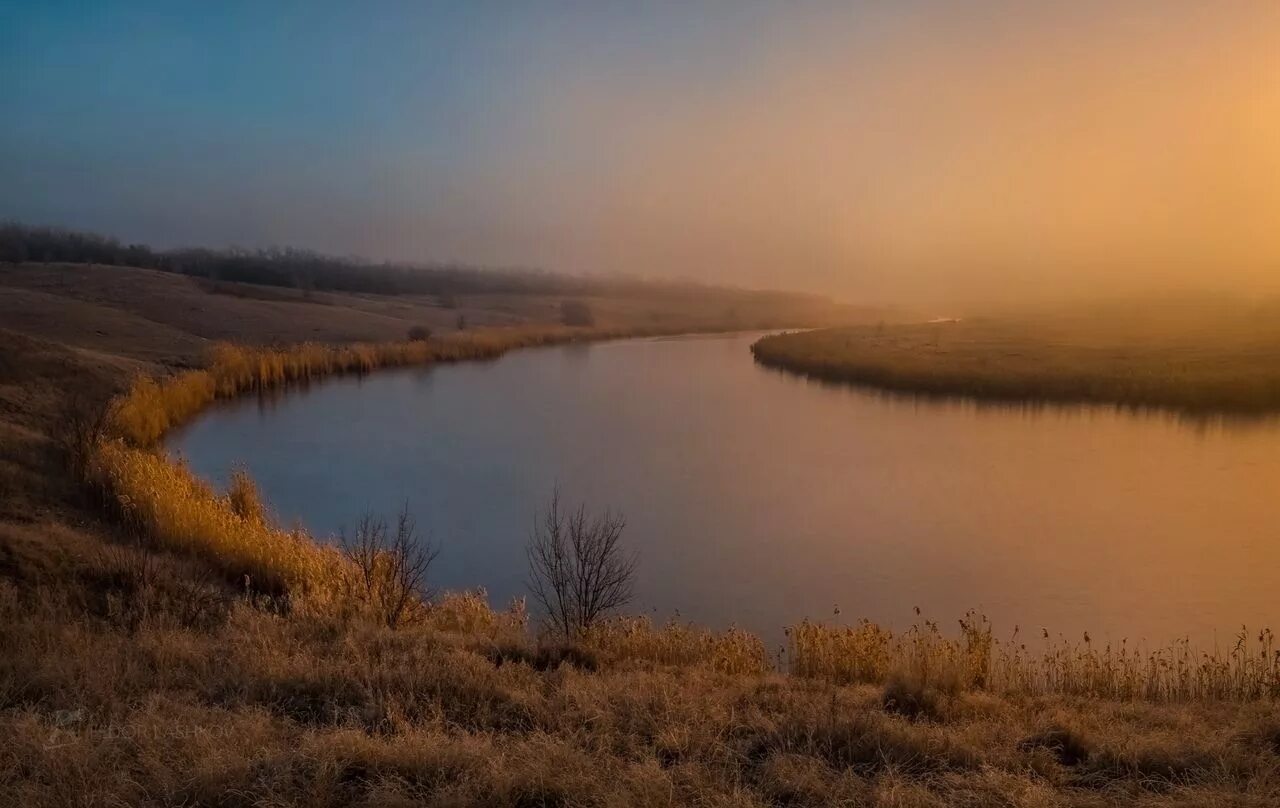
419 333
578 570
390 571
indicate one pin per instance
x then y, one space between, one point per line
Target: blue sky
256 122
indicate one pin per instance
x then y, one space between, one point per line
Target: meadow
1196 357
166 643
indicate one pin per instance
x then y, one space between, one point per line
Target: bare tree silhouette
391 571
578 568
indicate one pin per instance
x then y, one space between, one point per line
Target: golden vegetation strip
178 511
975 660
1226 366
153 407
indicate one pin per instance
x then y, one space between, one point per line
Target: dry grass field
1192 357
138 667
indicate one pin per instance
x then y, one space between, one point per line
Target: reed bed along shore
154 406
164 501
974 659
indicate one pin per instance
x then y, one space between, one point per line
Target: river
756 498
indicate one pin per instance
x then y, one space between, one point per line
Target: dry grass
975 660
732 651
137 669
1214 358
251 707
177 511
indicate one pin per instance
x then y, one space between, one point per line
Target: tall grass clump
867 653
469 614
243 497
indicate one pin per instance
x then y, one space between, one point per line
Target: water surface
757 498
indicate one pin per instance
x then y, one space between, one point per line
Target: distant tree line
50 245
304 269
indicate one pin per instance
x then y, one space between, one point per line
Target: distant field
1197 357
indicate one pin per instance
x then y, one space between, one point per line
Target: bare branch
578 568
391 571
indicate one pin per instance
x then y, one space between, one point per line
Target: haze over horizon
909 151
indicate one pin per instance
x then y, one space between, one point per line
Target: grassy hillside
138 666
1203 359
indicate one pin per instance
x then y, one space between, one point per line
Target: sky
875 150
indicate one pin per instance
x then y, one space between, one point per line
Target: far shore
1220 362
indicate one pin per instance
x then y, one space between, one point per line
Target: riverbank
139 669
1223 359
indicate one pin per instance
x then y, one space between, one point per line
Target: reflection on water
1197 420
758 497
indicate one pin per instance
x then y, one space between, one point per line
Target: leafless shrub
391 570
579 571
419 333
